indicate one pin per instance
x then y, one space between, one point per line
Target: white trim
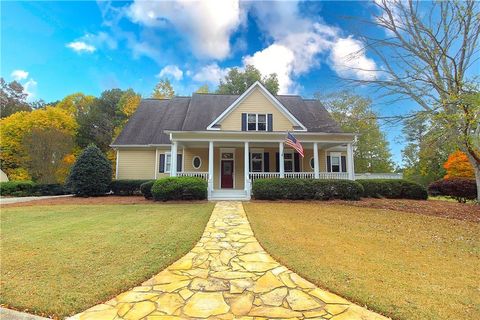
310 163
292 152
264 132
165 162
183 159
157 163
226 150
116 164
193 161
256 122
337 155
268 95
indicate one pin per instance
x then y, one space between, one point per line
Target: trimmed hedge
146 189
305 189
393 189
126 187
179 188
29 188
460 189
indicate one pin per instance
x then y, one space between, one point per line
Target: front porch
231 167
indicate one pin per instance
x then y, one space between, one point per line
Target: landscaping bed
403 265
62 259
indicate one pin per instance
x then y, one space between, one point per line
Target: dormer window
257 122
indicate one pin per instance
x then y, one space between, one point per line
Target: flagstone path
227 275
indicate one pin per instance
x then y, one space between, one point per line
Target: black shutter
329 169
266 162
270 122
344 164
244 122
250 162
296 160
277 162
161 166
179 163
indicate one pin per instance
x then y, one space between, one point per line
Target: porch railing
299 175
378 176
203 175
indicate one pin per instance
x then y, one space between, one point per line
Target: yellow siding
256 102
188 159
136 164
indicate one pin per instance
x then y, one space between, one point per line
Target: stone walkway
227 275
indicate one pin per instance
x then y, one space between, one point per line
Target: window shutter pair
269 122
329 166
296 162
266 162
161 166
344 164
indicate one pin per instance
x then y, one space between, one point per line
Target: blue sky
58 48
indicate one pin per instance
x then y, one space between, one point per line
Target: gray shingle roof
195 113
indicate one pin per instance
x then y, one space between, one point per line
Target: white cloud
206 24
19 75
30 88
211 74
348 59
171 70
275 59
81 46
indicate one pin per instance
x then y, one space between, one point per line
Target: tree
16 127
426 56
47 149
129 102
91 174
424 153
163 90
237 82
12 98
76 104
354 114
458 166
203 89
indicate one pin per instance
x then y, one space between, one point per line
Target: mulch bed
444 209
92 201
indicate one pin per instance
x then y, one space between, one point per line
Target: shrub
305 189
91 174
179 188
126 187
460 189
146 189
393 189
29 188
16 188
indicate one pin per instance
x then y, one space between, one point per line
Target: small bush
393 189
91 174
29 188
146 189
305 189
16 188
179 188
126 187
460 189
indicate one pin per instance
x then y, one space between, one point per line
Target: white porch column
315 161
173 159
350 165
116 164
210 168
281 161
156 163
246 167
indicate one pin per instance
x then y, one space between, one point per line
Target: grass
402 265
60 260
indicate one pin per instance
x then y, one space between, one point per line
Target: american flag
294 143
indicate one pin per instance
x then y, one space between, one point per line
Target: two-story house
231 140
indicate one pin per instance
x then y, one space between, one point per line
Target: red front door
227 174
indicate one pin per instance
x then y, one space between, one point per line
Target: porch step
228 195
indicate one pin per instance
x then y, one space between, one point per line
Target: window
196 162
288 161
256 122
335 162
256 164
312 163
168 161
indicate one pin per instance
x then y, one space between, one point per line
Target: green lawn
59 260
403 265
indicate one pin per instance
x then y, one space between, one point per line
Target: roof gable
257 87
